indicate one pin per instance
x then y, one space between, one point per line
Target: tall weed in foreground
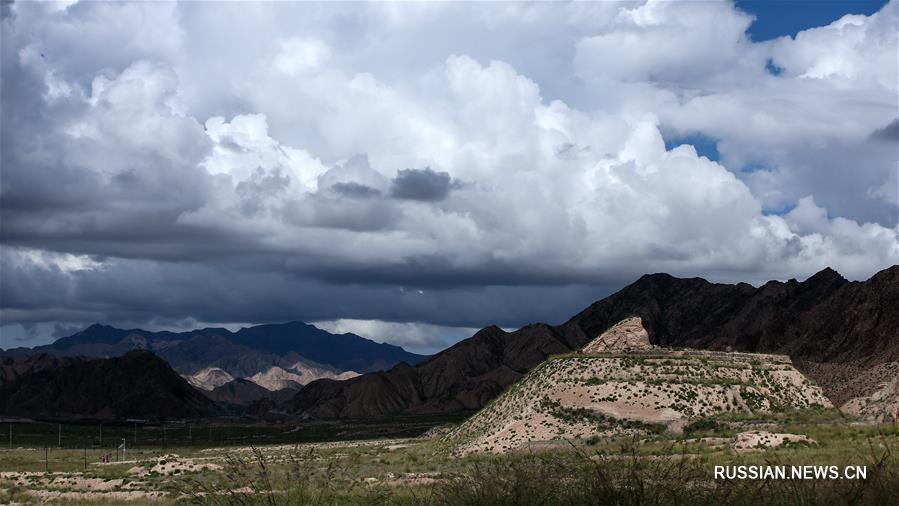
578 478
574 477
257 479
295 478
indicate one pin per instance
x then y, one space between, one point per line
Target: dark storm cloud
355 190
887 133
63 330
5 9
435 271
261 185
151 292
421 184
120 203
343 213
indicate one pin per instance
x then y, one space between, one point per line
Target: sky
412 172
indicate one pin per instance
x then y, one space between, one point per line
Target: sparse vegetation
575 396
653 469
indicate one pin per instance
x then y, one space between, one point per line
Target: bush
702 425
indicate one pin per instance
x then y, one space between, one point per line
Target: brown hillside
135 385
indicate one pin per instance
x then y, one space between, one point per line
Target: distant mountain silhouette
135 385
243 353
843 334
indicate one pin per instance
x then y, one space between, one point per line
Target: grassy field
655 469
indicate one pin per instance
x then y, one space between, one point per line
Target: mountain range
843 334
240 353
279 358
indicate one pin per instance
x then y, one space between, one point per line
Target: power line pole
101 434
59 436
46 463
10 436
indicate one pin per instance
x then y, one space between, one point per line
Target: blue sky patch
705 146
776 18
786 208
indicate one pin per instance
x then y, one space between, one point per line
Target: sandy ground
122 495
319 446
168 465
73 486
760 440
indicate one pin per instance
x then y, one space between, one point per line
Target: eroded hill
605 394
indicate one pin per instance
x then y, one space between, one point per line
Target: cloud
60 330
711 42
139 293
421 184
887 133
417 337
148 180
807 130
301 55
854 49
355 190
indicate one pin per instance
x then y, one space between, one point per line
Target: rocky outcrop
297 374
209 378
882 405
626 335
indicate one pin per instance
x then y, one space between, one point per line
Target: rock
625 335
881 406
